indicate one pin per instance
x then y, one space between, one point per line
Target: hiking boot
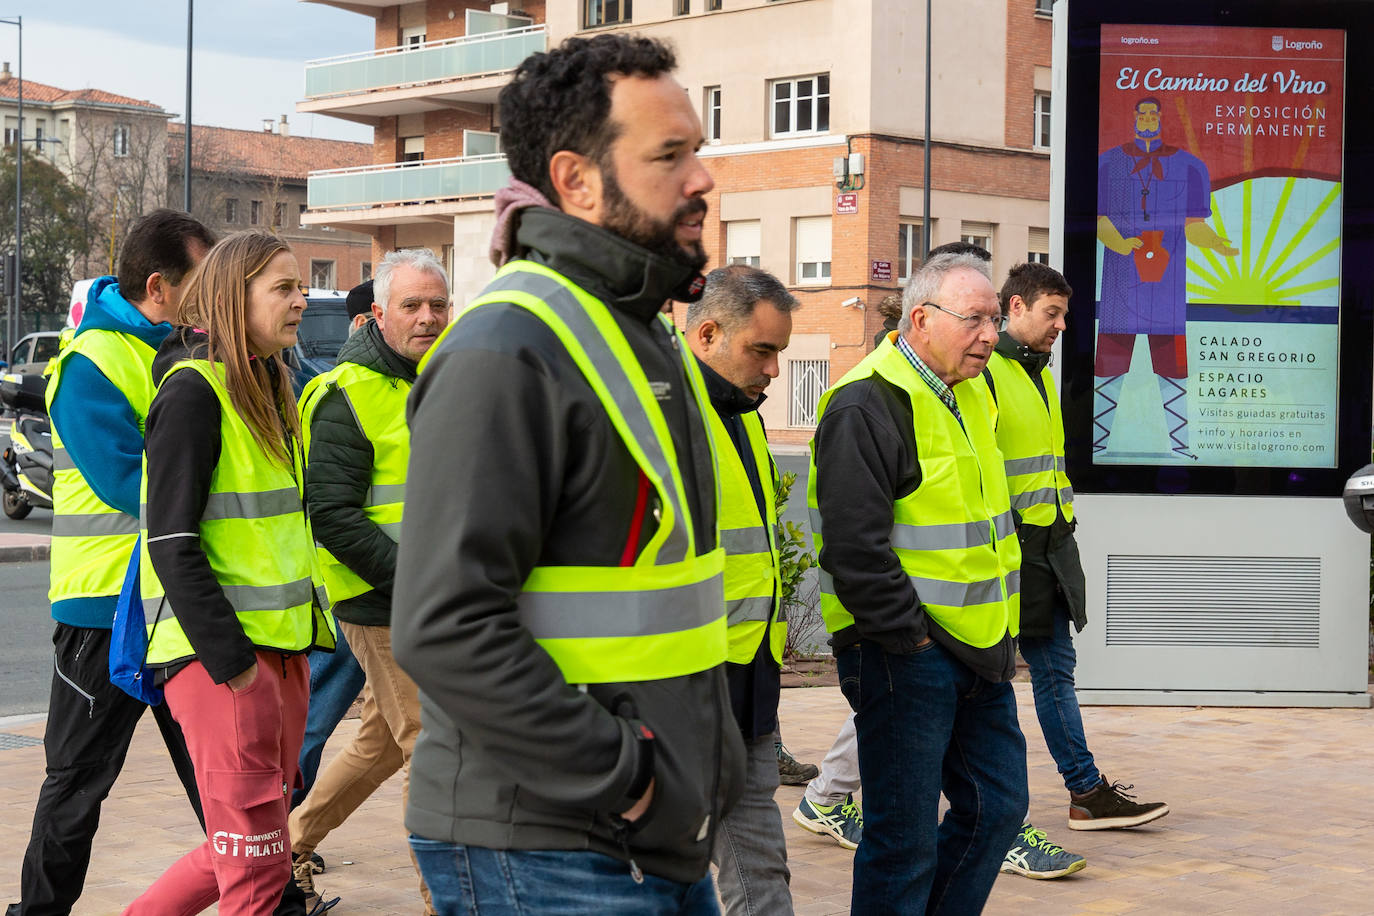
317 863
1109 806
1035 857
303 874
843 821
792 772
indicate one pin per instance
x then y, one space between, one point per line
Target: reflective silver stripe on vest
246 598
566 307
385 493
62 461
599 615
1023 501
391 530
264 504
1066 496
744 610
1035 465
949 594
744 540
815 516
955 536
100 524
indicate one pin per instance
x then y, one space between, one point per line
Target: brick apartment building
785 88
245 179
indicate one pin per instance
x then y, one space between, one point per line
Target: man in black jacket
558 595
354 416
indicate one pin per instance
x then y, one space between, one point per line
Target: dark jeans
926 724
90 725
1052 660
473 881
336 679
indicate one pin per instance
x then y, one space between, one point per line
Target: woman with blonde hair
228 572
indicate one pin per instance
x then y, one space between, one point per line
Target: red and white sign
846 203
880 271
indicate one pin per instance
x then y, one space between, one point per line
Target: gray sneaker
1035 857
843 821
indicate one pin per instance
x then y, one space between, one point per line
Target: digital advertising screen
1219 166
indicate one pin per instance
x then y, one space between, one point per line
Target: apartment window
979 234
682 7
807 381
910 248
255 213
64 130
1044 7
813 249
607 12
712 118
801 106
1038 246
231 210
11 131
743 241
712 5
121 140
412 37
1042 120
300 214
364 271
412 149
279 216
321 274
39 127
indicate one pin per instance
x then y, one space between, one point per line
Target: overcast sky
249 54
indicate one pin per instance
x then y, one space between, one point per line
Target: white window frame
1037 245
910 246
121 140
811 268
323 269
744 242
413 37
791 101
979 234
1044 7
682 7
807 379
594 13
712 114
1044 109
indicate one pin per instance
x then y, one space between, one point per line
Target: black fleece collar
725 397
1013 349
616 271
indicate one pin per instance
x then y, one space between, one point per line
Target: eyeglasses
974 322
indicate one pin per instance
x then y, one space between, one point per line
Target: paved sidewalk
1273 812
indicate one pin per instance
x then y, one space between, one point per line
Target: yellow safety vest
378 403
1030 433
752 567
256 537
954 534
92 540
664 616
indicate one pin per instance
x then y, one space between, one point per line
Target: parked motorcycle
26 467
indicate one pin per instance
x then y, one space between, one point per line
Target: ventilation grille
1213 601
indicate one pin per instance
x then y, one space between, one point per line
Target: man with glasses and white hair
354 417
919 586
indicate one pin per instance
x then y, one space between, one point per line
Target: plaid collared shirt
937 385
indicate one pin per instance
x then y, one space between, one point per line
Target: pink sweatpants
245 747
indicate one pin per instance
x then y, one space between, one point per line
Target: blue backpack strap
129 640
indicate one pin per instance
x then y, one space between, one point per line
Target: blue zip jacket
100 430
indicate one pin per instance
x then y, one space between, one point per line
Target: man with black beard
558 592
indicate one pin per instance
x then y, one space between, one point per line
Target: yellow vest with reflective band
92 540
1030 433
378 403
256 537
664 616
954 534
752 565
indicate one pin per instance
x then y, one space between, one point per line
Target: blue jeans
474 881
926 724
335 682
1052 660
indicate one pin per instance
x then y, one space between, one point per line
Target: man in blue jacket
98 396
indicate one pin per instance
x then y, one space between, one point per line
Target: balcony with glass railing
451 60
406 183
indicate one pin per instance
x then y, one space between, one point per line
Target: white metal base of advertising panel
1225 601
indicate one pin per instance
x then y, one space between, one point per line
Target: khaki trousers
385 739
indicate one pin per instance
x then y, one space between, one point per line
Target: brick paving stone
1269 815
